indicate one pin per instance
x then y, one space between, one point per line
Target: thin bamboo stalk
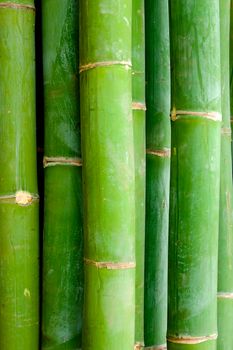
108 174
158 134
195 174
63 248
18 186
138 85
225 260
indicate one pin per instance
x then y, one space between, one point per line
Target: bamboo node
191 340
110 265
138 106
156 347
163 153
23 198
138 346
89 66
177 114
226 131
222 295
17 6
53 161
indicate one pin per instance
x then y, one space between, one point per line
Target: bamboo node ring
138 346
110 265
126 64
222 295
53 161
17 6
191 340
163 153
177 114
138 106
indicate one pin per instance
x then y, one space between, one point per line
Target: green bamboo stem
225 260
63 255
138 85
195 170
108 174
18 186
158 136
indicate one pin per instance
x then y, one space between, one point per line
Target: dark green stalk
63 254
158 136
225 260
19 202
108 174
195 174
138 81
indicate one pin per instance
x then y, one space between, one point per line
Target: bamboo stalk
158 136
138 85
108 174
18 186
63 253
225 260
195 170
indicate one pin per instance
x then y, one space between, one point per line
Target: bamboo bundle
18 186
158 171
225 260
63 257
108 174
195 169
138 81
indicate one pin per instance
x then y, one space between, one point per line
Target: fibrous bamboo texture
195 170
225 259
63 239
108 174
158 136
138 81
19 263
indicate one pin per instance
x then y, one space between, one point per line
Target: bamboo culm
19 200
225 259
63 238
195 174
108 174
158 139
138 106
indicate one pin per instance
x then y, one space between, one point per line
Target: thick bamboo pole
225 260
108 174
158 136
19 268
63 253
138 81
195 173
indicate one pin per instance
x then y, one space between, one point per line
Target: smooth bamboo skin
158 136
225 259
195 170
108 174
138 85
63 239
19 267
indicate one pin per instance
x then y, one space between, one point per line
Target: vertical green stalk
138 81
158 136
19 202
225 260
108 174
63 256
195 174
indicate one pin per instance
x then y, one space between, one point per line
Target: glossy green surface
158 136
62 273
138 81
63 238
19 266
108 174
225 260
195 170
